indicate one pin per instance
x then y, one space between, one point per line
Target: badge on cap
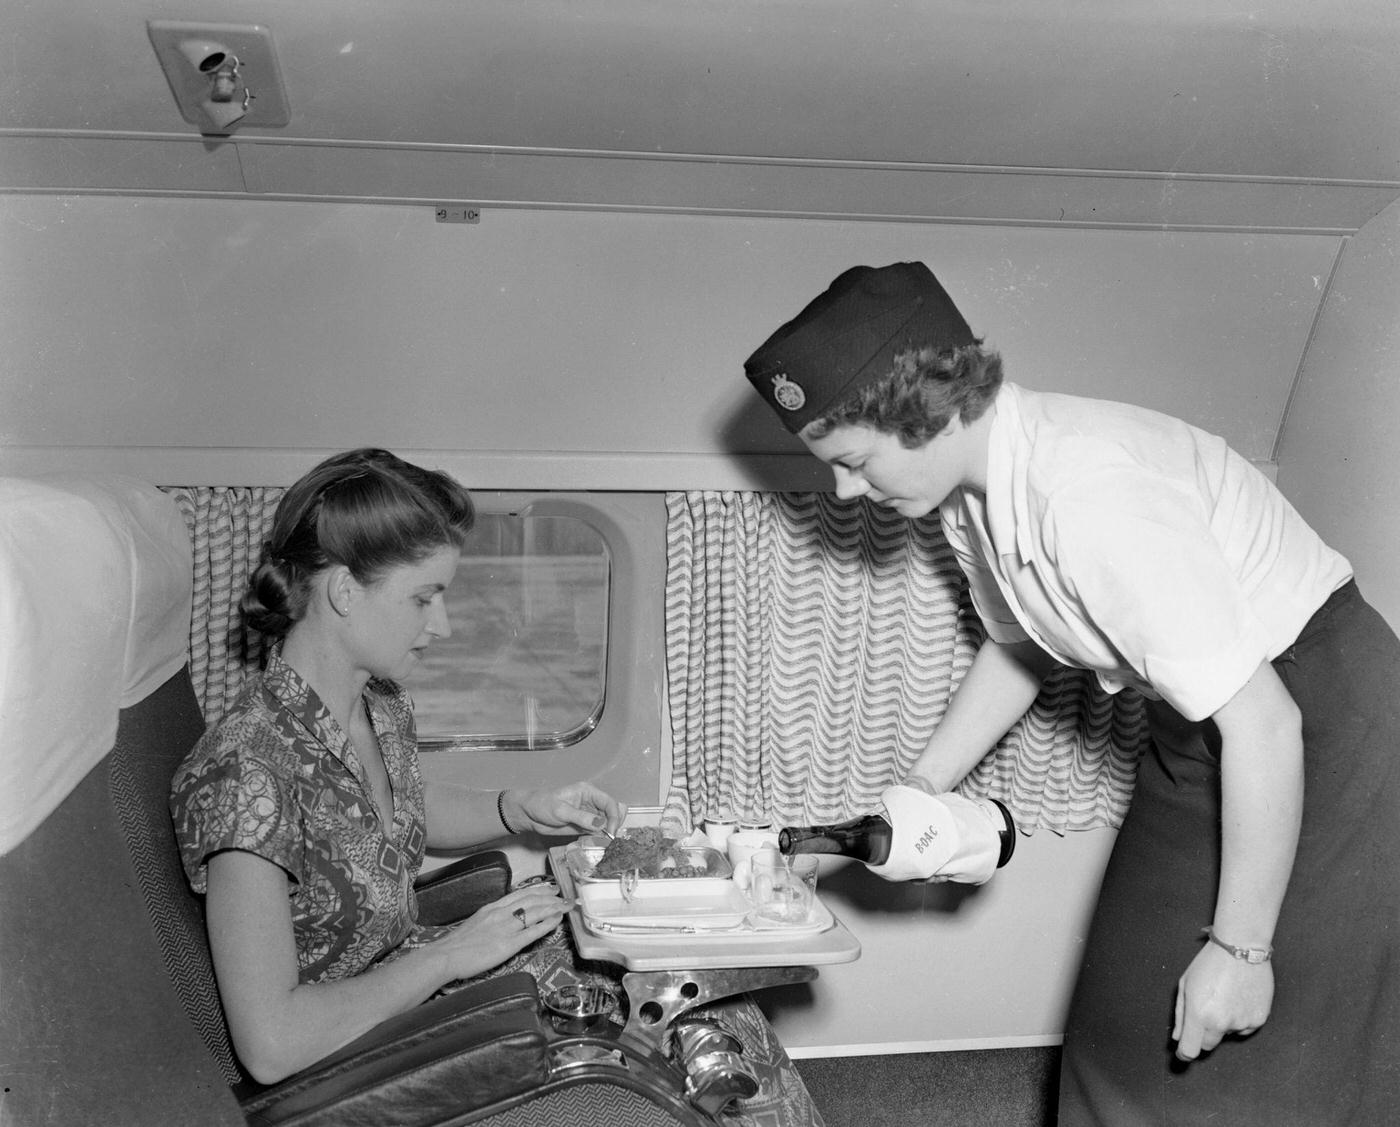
787 394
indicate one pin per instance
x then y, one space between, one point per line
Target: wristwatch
1252 955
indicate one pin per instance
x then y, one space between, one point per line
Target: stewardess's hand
1219 995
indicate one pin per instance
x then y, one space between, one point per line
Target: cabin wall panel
548 349
1337 455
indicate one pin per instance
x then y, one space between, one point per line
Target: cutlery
666 929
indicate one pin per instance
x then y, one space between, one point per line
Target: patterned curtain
227 527
812 646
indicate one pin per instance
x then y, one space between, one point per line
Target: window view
525 664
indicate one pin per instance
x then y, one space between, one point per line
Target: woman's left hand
1219 995
574 809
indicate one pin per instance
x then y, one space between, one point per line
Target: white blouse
1135 545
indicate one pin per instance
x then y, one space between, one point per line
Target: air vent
223 76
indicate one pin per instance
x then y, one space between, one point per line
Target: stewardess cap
850 335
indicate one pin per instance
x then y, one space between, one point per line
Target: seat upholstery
91 1030
148 747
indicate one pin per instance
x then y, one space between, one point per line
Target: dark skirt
1330 1051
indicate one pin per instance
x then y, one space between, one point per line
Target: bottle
866 839
869 838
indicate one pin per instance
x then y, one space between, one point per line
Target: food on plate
650 853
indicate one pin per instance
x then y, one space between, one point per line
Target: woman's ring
519 914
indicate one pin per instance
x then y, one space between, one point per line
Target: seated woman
302 815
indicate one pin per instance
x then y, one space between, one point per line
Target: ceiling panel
1303 92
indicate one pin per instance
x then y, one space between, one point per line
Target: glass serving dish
706 898
686 862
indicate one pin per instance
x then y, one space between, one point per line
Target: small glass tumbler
783 889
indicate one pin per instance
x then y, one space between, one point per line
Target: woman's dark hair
924 390
366 510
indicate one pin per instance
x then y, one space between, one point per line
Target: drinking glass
783 889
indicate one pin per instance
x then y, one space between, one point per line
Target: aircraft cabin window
525 665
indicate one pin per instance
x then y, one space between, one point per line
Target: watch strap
1252 955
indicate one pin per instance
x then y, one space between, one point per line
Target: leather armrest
467 1049
455 891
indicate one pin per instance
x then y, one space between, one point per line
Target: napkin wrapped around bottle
940 837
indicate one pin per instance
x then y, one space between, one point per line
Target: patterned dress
278 778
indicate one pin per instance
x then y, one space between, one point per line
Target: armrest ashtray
581 1008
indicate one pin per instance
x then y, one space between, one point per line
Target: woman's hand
498 930
574 809
1219 995
462 817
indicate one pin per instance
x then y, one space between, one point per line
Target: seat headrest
95 594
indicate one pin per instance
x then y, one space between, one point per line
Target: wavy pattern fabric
812 647
227 527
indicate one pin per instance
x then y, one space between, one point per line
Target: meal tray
752 928
666 904
827 940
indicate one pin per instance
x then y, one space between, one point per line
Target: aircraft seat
108 1007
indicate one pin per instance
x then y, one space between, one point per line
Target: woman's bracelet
1252 955
501 812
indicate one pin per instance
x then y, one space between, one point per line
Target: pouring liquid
785 897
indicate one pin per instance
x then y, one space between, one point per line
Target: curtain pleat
812 648
227 527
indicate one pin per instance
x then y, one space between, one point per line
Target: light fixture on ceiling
222 75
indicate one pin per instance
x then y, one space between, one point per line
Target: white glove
940 837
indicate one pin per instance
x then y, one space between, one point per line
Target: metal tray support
655 998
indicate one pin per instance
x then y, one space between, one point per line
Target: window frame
623 753
434 744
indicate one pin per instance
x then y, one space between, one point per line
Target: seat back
94 619
152 740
